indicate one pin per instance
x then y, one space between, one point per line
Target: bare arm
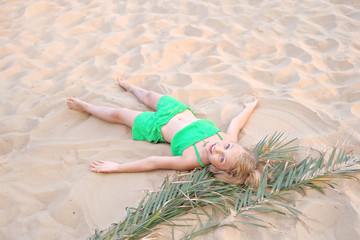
144 165
238 122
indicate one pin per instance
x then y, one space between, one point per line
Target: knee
152 98
124 116
116 115
150 95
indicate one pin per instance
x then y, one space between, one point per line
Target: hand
100 166
252 104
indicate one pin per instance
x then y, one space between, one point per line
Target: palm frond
197 192
275 147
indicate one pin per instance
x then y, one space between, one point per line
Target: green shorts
147 125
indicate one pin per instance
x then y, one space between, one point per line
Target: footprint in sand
13 142
19 125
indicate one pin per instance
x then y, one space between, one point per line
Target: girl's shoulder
227 137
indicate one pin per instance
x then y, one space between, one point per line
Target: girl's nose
219 149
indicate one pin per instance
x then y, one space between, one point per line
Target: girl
194 142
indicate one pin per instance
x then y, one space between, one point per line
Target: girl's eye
222 159
227 146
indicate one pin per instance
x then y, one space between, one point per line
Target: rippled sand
300 57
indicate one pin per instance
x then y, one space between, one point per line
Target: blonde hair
245 170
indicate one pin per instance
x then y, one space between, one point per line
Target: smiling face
223 154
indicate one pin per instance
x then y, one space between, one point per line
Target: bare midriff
178 122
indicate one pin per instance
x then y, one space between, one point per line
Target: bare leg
149 98
112 115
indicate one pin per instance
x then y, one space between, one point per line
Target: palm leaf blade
197 192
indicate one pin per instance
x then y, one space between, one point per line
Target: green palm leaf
197 192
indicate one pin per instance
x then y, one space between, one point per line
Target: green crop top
191 134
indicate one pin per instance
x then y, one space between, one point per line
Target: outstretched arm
143 165
238 122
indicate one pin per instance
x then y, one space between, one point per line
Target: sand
301 58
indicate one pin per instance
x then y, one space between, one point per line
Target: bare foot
122 82
100 166
76 104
